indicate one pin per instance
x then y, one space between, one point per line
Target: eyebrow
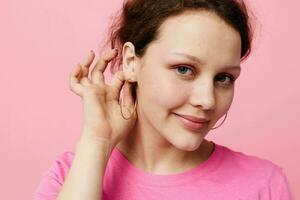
195 59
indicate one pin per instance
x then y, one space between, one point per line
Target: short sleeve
54 177
277 187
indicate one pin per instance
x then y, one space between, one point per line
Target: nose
203 94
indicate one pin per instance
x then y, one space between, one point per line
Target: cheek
166 92
224 101
162 91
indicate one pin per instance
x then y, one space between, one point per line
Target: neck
151 152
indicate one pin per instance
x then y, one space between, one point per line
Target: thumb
128 100
117 84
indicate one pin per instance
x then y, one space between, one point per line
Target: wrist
95 144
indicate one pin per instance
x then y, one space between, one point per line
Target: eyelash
231 77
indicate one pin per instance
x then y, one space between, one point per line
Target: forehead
200 32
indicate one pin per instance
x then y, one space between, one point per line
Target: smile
191 125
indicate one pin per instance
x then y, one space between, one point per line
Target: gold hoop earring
222 122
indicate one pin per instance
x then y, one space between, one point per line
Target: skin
158 143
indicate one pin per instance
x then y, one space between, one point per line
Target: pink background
40 118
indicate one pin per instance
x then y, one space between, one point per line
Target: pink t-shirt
225 175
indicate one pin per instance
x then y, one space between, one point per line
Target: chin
190 148
189 145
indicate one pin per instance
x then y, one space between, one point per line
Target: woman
178 64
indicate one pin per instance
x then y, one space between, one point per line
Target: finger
74 80
97 72
96 76
87 63
117 84
106 58
85 81
80 74
128 100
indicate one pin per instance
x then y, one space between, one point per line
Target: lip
193 119
191 125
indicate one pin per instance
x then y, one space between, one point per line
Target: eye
223 77
183 69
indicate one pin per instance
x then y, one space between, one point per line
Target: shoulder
250 165
63 163
53 178
65 158
247 170
246 160
60 166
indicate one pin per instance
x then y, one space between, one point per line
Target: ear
130 62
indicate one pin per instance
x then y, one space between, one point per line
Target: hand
101 105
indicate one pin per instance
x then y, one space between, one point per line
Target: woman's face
188 71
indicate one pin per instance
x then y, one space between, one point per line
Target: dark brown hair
138 21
